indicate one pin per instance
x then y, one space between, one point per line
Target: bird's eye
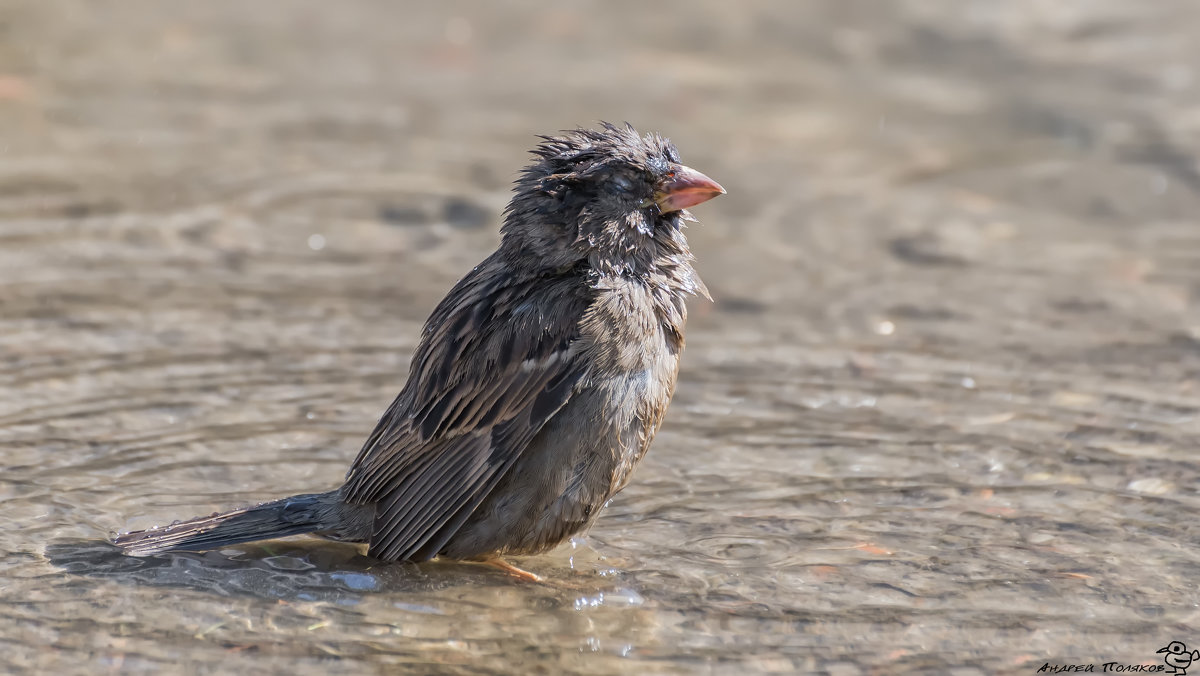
622 183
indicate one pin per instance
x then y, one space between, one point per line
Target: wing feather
491 369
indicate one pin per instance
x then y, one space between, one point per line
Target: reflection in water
293 574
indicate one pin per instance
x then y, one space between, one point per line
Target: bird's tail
290 516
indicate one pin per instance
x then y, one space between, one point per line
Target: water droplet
968 382
885 328
316 242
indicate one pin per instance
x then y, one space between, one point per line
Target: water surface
942 416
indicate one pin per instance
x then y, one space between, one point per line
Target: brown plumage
539 381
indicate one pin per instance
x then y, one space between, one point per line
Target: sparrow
539 380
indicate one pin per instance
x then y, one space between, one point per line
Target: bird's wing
493 366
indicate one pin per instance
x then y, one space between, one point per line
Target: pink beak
685 187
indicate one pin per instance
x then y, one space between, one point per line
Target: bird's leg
513 570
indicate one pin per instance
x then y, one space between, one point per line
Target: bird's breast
633 346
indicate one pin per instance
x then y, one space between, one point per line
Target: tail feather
296 515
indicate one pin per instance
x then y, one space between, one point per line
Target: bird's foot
513 570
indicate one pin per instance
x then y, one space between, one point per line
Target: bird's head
610 197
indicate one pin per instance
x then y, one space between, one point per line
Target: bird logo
1178 658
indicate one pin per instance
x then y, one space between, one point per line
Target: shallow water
942 416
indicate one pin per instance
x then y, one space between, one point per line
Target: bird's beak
685 187
1160 651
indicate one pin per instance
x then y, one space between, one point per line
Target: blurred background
941 417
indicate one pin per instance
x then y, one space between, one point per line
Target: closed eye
622 183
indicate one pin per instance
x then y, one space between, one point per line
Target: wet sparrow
539 380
